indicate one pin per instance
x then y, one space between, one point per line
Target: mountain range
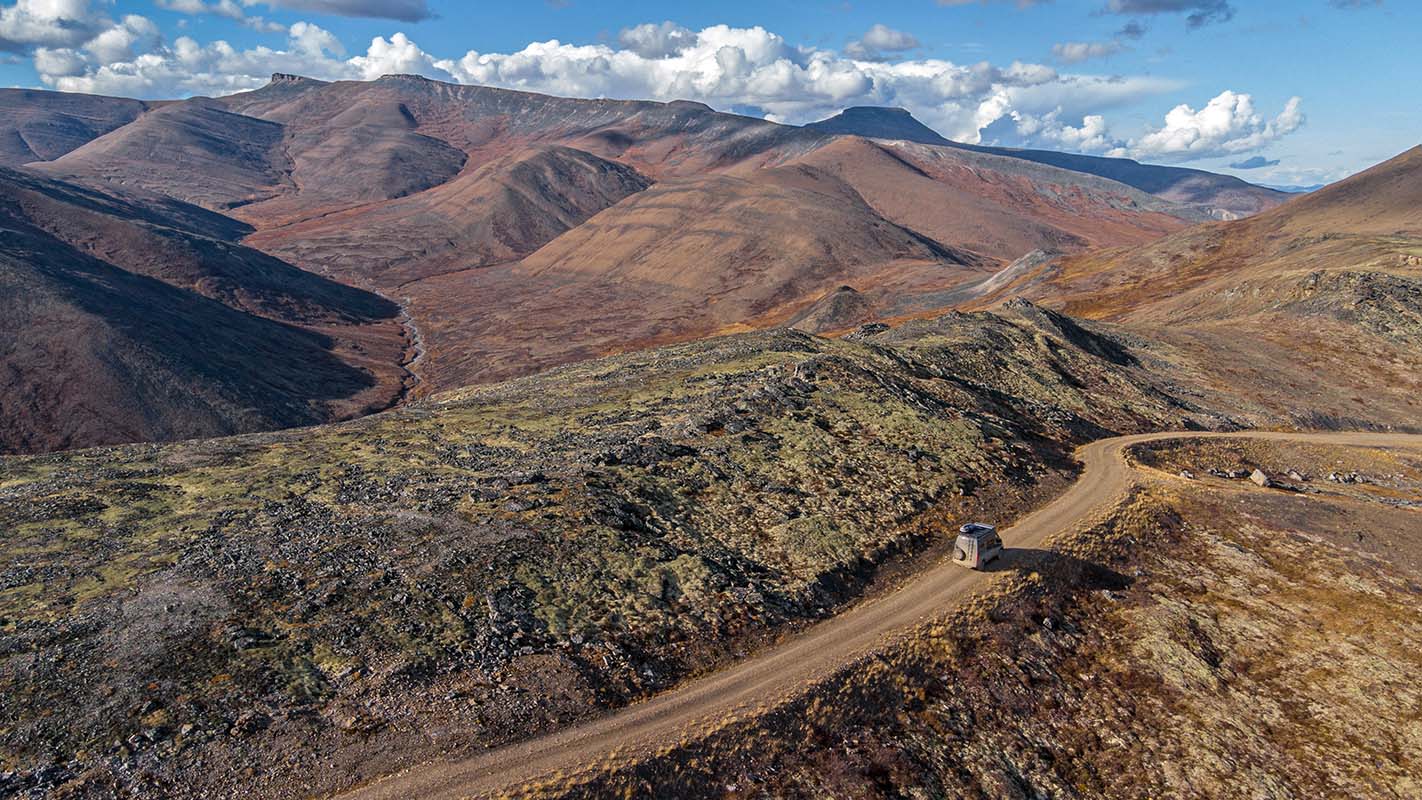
415 236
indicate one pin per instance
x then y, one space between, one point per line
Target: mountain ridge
1232 196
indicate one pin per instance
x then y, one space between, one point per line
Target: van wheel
960 554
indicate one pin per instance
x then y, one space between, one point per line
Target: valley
532 231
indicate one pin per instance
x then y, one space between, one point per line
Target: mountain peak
879 122
690 105
876 111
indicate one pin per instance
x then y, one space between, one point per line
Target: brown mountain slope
198 253
839 310
369 151
406 185
1223 195
1317 303
298 148
40 126
96 355
656 138
993 205
683 259
194 151
498 212
751 247
1371 222
122 324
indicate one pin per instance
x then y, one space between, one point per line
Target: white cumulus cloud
752 70
656 40
398 55
1228 124
48 23
119 42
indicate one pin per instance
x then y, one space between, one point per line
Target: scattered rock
242 638
249 722
1259 477
866 331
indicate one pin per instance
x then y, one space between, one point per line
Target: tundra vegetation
1199 639
498 561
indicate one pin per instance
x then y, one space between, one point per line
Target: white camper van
977 544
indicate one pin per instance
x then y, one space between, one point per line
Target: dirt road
814 654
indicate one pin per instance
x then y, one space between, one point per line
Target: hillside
658 139
995 206
763 243
193 151
42 126
1369 224
127 321
1204 638
272 614
524 231
497 212
1266 300
1225 196
686 258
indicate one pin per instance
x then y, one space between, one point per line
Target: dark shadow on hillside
1078 571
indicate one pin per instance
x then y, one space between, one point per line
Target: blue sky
1322 87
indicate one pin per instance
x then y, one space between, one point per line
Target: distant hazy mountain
1296 189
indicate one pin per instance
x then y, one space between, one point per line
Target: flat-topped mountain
880 122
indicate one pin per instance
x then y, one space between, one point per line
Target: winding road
777 672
